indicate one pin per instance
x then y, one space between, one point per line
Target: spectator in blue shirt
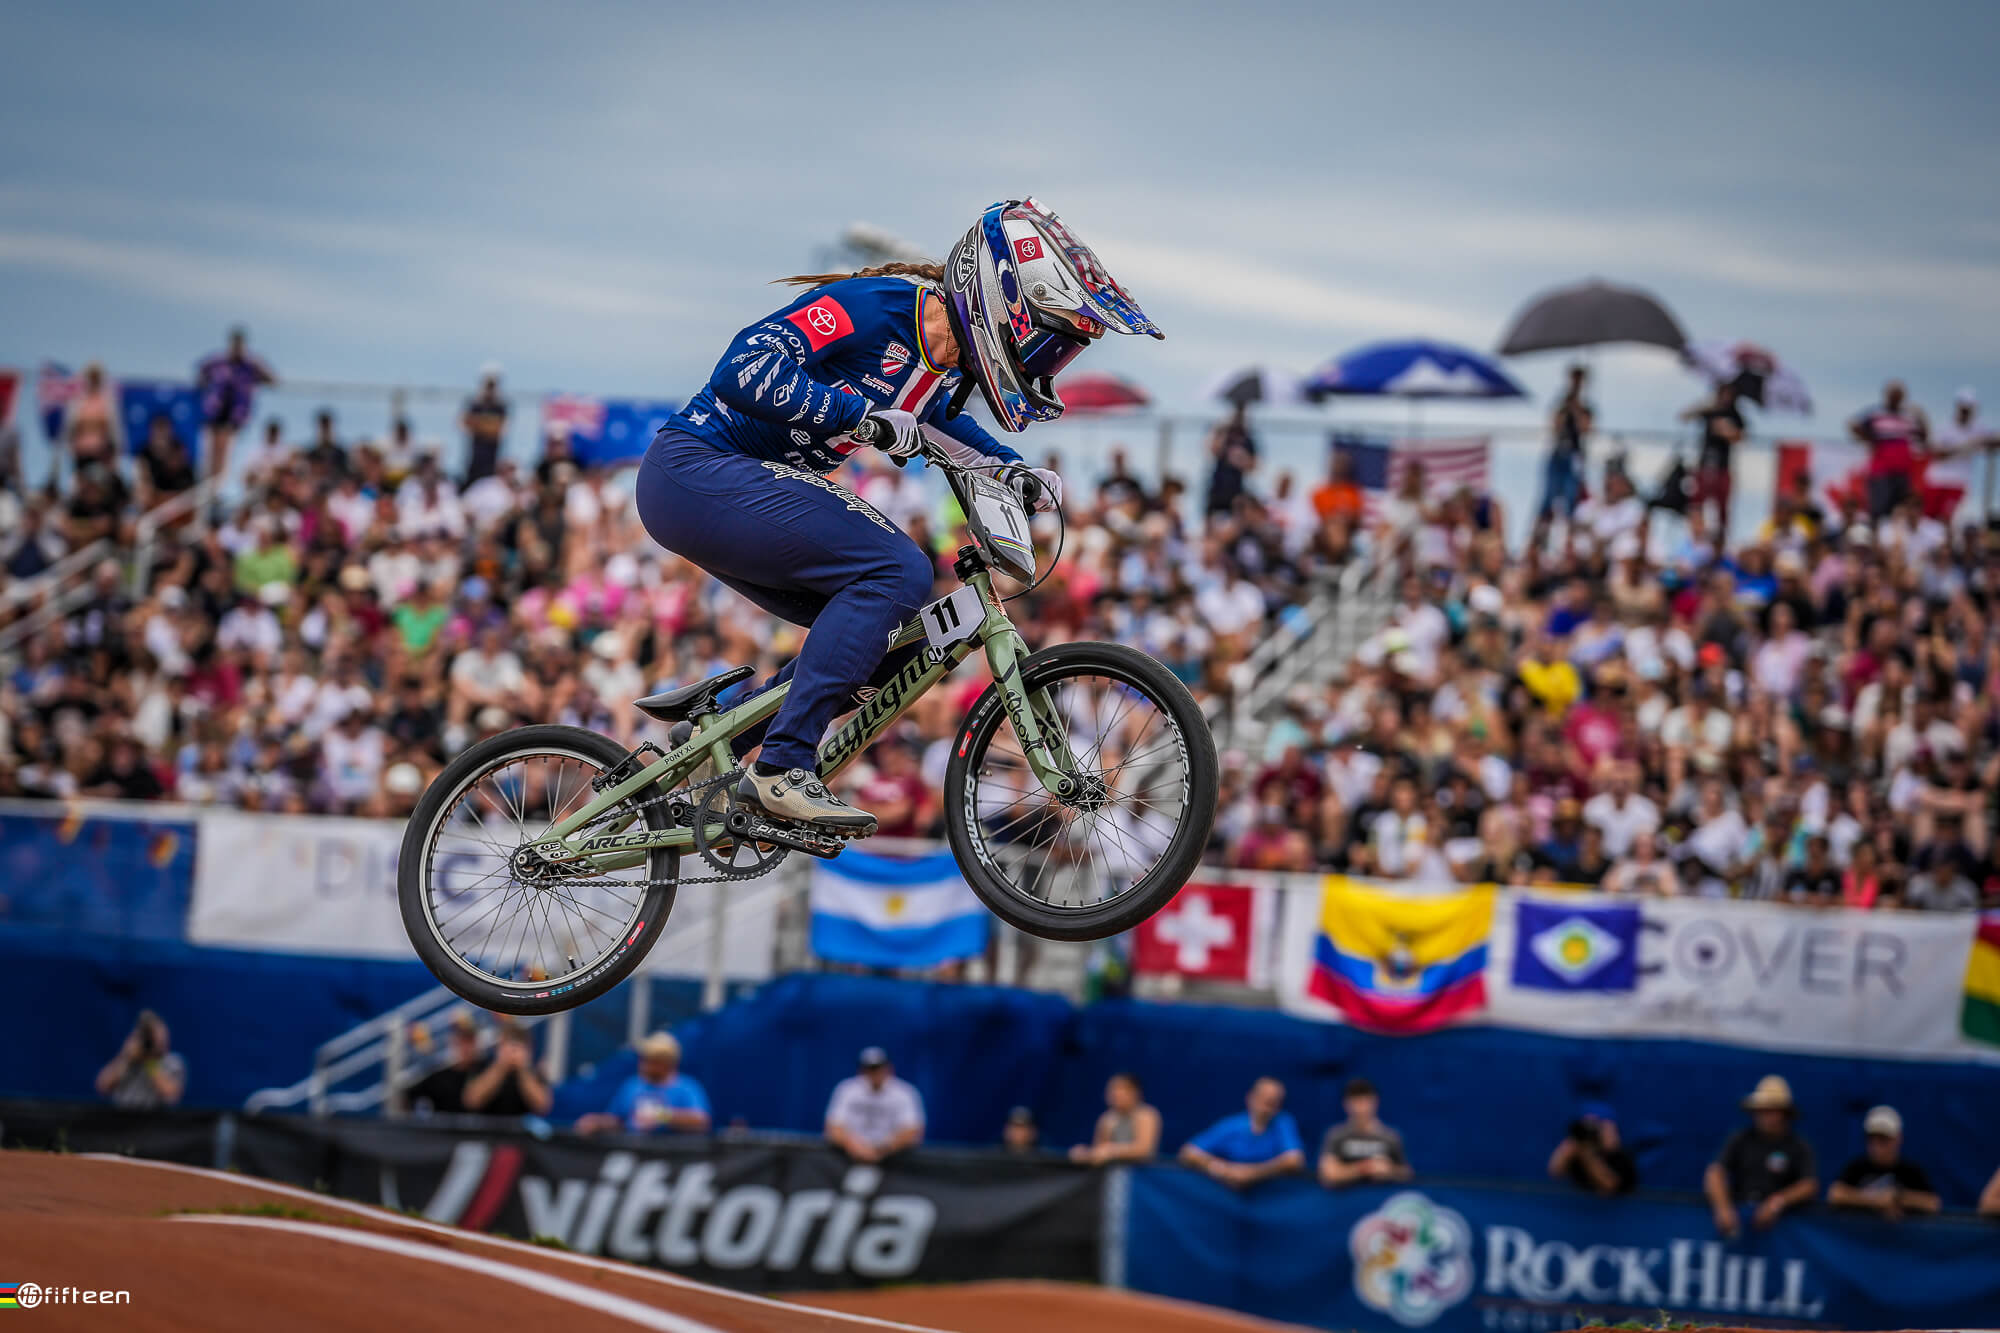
659 1098
1260 1142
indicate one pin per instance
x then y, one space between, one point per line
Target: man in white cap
1960 455
1882 1180
1765 1165
874 1114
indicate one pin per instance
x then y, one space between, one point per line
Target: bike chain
697 798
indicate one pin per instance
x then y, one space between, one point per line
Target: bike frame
1043 739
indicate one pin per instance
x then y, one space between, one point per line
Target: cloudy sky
596 193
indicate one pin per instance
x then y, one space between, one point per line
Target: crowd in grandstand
1624 699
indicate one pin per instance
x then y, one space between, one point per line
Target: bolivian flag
1979 1019
1401 962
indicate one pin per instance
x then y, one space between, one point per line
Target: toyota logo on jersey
1027 248
822 322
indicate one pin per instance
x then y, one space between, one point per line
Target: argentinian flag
879 911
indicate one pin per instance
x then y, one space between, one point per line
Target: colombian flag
1400 962
1979 1019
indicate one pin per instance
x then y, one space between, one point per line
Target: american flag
55 389
1380 469
576 413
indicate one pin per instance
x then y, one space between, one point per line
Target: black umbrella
1255 384
1591 313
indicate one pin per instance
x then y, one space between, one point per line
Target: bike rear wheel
1105 859
502 932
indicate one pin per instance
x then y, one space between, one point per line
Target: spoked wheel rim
499 915
1083 852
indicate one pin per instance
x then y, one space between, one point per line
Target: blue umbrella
1415 369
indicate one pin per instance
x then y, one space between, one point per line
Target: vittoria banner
744 1214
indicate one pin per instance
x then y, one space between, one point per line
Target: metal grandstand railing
367 1067
1315 636
66 585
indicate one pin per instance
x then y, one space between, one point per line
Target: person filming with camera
146 1074
1591 1156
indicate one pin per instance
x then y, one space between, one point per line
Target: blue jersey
790 387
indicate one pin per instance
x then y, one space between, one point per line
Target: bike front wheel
1103 859
503 931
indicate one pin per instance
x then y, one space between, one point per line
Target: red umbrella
1100 393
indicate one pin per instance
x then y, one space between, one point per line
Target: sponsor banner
313 885
83 870
1902 985
1828 981
1214 932
749 1215
298 884
1467 1259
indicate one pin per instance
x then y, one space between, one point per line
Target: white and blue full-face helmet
1025 298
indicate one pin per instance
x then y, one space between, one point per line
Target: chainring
717 802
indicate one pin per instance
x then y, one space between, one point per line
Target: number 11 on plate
949 619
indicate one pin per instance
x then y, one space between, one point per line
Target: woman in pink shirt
1861 883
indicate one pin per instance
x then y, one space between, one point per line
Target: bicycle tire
413 879
1157 887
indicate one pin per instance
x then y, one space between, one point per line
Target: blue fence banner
88 874
1464 1258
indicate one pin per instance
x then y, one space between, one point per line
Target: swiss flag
822 321
1211 931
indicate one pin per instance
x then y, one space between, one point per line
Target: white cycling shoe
798 794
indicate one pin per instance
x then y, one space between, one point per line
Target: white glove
893 431
1048 484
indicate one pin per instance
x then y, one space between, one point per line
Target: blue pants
805 549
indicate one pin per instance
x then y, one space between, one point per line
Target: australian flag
55 388
607 430
1576 947
139 401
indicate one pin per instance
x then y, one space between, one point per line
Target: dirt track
200 1252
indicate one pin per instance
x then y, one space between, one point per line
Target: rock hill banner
1473 1259
1906 985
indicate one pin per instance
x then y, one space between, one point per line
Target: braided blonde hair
928 272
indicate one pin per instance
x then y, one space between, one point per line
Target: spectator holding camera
510 1085
1361 1149
1591 1156
146 1074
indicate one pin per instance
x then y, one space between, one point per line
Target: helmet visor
1045 352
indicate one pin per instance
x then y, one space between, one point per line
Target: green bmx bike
541 865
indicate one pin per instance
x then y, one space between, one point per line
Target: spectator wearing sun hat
1881 1180
1766 1165
657 1099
